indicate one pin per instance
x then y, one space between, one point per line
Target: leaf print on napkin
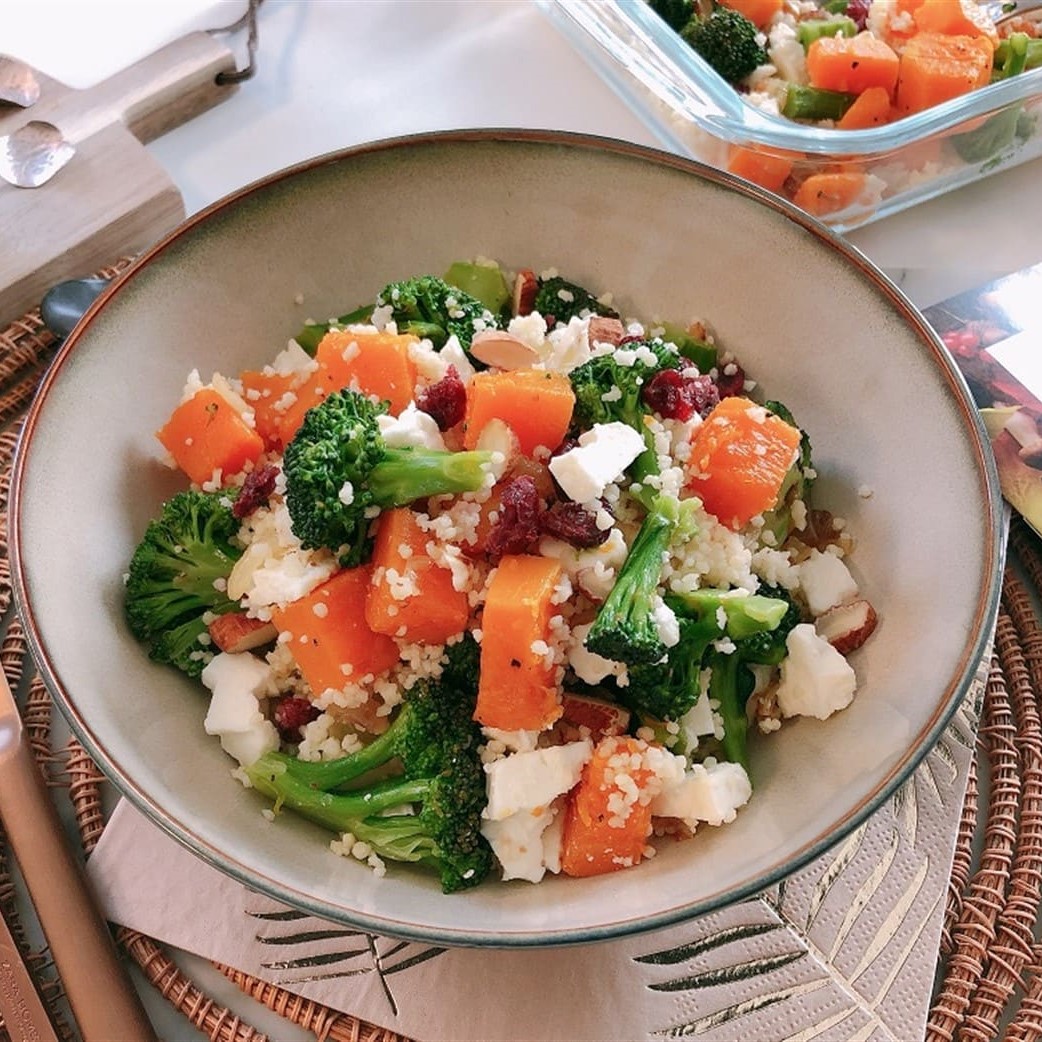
327 953
841 949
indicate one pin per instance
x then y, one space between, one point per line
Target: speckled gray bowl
813 321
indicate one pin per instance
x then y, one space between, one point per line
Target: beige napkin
844 949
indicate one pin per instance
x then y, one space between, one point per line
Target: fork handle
103 1000
24 1013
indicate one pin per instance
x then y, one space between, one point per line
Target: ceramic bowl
898 446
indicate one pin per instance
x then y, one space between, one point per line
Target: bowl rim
963 675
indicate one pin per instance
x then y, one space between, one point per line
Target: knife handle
24 1013
103 1000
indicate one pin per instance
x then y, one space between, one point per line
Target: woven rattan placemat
989 966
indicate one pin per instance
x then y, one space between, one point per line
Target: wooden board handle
154 95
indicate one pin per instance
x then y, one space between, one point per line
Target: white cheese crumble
239 685
816 680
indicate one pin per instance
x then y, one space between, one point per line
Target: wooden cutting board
112 198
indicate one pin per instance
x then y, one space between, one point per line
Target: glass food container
698 114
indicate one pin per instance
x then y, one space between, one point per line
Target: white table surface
333 73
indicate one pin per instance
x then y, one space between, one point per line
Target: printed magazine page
994 333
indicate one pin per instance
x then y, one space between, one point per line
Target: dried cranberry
730 380
858 11
256 491
444 401
517 528
291 714
675 396
574 524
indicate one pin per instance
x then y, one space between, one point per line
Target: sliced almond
526 286
237 631
605 330
602 718
847 626
503 350
496 436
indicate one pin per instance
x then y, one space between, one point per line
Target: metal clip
249 20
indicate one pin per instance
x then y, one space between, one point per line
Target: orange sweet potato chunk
830 191
207 433
739 458
536 405
936 67
268 394
871 108
955 18
375 363
410 596
852 64
759 12
517 691
762 168
597 837
329 637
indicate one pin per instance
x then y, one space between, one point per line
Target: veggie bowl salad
856 65
487 577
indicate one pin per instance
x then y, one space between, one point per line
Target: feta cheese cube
530 780
711 794
238 683
411 428
698 720
826 581
453 354
517 842
603 453
816 680
293 360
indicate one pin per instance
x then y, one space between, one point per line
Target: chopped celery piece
815 103
815 28
482 281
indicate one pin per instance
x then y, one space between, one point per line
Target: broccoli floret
666 690
428 307
727 41
431 307
177 575
675 13
625 629
565 300
608 392
338 469
436 739
767 648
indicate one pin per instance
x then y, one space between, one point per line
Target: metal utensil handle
23 1010
102 999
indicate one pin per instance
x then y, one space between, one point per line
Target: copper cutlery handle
103 1000
25 1016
